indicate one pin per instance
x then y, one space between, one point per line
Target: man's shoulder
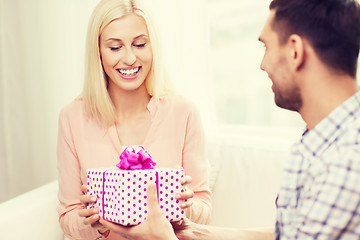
350 133
346 148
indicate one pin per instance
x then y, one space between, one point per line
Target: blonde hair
97 101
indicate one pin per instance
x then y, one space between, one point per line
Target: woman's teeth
129 72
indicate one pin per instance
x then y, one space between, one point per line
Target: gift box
121 193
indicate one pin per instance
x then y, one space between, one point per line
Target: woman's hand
91 215
187 195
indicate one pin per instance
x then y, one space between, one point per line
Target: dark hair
331 26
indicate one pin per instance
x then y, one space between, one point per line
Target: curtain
41 61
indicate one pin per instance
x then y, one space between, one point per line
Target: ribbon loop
135 158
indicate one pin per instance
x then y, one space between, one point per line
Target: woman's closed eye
114 48
141 45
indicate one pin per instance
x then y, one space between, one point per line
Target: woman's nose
129 57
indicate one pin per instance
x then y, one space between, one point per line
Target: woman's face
126 53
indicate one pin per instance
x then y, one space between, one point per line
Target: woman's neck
129 104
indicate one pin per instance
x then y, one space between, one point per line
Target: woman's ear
296 51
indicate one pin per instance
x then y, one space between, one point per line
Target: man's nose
262 65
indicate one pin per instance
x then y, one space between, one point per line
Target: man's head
332 27
279 66
300 30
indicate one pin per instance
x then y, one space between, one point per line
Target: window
243 92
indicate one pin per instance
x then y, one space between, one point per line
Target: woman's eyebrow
119 40
141 35
113 39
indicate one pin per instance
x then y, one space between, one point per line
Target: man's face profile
275 64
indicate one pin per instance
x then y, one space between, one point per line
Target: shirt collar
326 132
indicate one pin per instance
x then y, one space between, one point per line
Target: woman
126 100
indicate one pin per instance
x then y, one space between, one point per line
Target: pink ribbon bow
135 158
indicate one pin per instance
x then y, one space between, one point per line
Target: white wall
41 46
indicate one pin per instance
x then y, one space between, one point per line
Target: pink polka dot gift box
121 191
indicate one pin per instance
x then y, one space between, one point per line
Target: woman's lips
129 73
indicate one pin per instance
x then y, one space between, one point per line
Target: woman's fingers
185 180
186 195
86 199
91 220
90 215
188 203
84 189
88 212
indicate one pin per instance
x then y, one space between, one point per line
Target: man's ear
296 51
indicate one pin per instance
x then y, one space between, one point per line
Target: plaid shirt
319 196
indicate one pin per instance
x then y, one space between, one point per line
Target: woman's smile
129 73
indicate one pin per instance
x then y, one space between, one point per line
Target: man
311 55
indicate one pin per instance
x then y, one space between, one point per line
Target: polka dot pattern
169 185
122 194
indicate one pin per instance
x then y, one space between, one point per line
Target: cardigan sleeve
70 183
196 165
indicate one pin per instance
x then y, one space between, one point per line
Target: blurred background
210 49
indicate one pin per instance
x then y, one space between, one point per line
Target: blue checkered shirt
319 195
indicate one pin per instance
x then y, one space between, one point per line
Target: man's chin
288 105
